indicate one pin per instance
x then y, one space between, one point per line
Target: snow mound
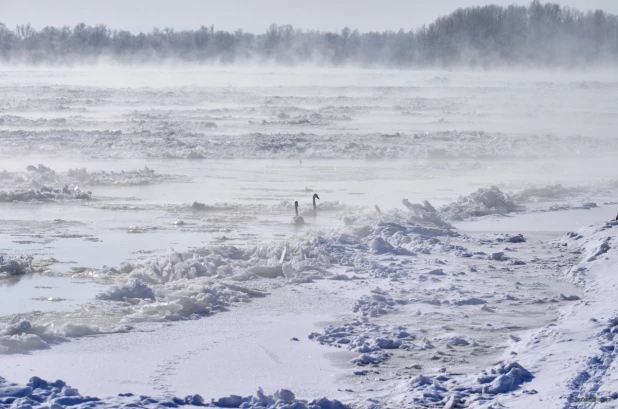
426 213
518 238
21 335
449 392
379 302
15 266
371 340
504 378
135 289
483 202
39 394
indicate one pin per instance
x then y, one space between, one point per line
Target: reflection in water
11 280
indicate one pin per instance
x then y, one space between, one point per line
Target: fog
414 218
537 35
359 136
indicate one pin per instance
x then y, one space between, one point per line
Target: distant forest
539 34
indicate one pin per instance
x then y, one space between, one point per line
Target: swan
313 212
297 220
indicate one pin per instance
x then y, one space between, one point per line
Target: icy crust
38 393
206 142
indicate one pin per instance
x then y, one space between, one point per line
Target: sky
250 15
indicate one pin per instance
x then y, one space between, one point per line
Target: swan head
315 196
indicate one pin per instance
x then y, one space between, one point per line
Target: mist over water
537 35
249 141
151 190
246 142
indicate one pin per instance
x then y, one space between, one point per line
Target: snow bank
586 332
596 376
38 393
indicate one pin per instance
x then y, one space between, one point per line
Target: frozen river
156 204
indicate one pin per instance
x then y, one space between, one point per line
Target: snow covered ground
146 245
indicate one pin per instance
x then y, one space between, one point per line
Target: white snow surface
425 314
574 358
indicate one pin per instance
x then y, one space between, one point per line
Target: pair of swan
298 220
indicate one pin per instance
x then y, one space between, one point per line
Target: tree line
537 34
